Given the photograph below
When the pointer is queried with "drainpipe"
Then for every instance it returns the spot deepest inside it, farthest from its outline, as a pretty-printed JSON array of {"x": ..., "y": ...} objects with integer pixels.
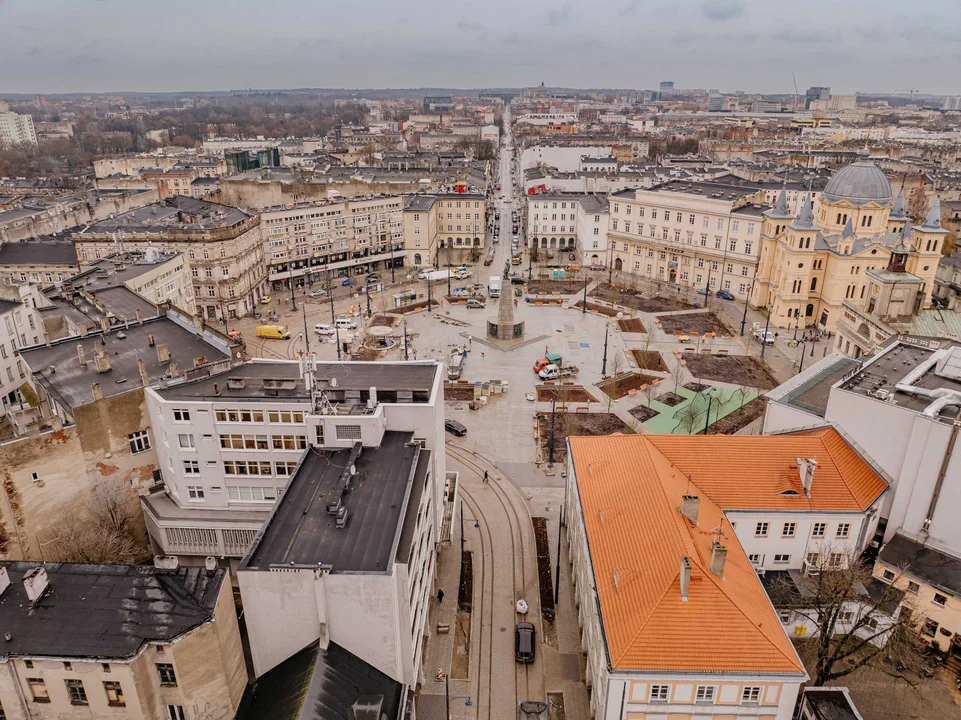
[
  {"x": 16, "y": 681},
  {"x": 945, "y": 461}
]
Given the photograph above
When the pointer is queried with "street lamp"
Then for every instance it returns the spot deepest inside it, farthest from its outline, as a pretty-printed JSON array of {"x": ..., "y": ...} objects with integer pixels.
[
  {"x": 405, "y": 340},
  {"x": 550, "y": 446},
  {"x": 584, "y": 308},
  {"x": 797, "y": 317},
  {"x": 747, "y": 296},
  {"x": 293, "y": 298},
  {"x": 707, "y": 420},
  {"x": 530, "y": 259},
  {"x": 607, "y": 329},
  {"x": 367, "y": 292}
]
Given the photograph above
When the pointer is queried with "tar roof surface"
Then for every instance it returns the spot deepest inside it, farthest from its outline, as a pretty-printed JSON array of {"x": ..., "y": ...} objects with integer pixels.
[
  {"x": 412, "y": 376},
  {"x": 163, "y": 216},
  {"x": 106, "y": 611},
  {"x": 38, "y": 253},
  {"x": 932, "y": 566},
  {"x": 630, "y": 495},
  {"x": 811, "y": 389},
  {"x": 315, "y": 684},
  {"x": 70, "y": 383},
  {"x": 301, "y": 532}
]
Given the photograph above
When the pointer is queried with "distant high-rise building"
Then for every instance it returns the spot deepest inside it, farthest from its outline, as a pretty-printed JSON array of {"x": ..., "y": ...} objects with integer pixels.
[
  {"x": 815, "y": 93},
  {"x": 952, "y": 103},
  {"x": 667, "y": 85},
  {"x": 16, "y": 129},
  {"x": 715, "y": 102}
]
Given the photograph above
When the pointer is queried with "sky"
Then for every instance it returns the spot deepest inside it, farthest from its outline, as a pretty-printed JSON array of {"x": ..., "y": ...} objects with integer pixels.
[{"x": 50, "y": 46}]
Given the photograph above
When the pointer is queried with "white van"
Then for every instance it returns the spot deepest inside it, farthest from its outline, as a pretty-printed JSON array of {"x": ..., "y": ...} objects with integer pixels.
[
  {"x": 343, "y": 323},
  {"x": 322, "y": 329}
]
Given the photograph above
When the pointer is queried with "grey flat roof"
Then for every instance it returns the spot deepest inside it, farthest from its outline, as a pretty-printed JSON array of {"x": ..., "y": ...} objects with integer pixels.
[
  {"x": 301, "y": 532},
  {"x": 124, "y": 303},
  {"x": 8, "y": 305},
  {"x": 38, "y": 253},
  {"x": 104, "y": 611},
  {"x": 165, "y": 216},
  {"x": 931, "y": 566},
  {"x": 70, "y": 383},
  {"x": 811, "y": 389},
  {"x": 828, "y": 703},
  {"x": 413, "y": 376}
]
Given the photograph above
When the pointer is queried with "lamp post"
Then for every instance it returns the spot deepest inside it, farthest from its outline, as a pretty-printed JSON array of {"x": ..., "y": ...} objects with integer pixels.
[
  {"x": 707, "y": 420},
  {"x": 406, "y": 357},
  {"x": 584, "y": 308},
  {"x": 392, "y": 261},
  {"x": 293, "y": 298},
  {"x": 550, "y": 446},
  {"x": 607, "y": 329},
  {"x": 797, "y": 317},
  {"x": 530, "y": 259},
  {"x": 747, "y": 296},
  {"x": 801, "y": 361},
  {"x": 367, "y": 292},
  {"x": 767, "y": 324}
]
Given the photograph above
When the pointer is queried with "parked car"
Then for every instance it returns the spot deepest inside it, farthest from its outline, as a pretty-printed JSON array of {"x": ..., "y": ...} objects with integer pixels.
[
  {"x": 348, "y": 282},
  {"x": 265, "y": 300},
  {"x": 317, "y": 293},
  {"x": 324, "y": 329},
  {"x": 475, "y": 303},
  {"x": 457, "y": 428},
  {"x": 373, "y": 278},
  {"x": 345, "y": 323},
  {"x": 703, "y": 291},
  {"x": 724, "y": 295},
  {"x": 524, "y": 642},
  {"x": 518, "y": 280}
]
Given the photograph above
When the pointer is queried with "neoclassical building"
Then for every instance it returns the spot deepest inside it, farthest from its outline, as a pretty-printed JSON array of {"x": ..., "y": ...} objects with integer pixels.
[{"x": 812, "y": 264}]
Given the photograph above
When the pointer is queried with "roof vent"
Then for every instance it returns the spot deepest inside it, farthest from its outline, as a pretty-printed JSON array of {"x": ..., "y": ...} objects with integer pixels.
[
  {"x": 685, "y": 577},
  {"x": 718, "y": 559},
  {"x": 4, "y": 580},
  {"x": 35, "y": 582},
  {"x": 690, "y": 504},
  {"x": 210, "y": 564}
]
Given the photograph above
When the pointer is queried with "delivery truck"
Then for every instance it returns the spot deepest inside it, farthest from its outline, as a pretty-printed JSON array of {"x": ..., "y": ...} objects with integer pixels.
[{"x": 275, "y": 332}]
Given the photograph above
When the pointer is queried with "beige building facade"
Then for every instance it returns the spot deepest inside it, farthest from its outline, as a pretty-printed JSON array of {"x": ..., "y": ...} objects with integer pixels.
[
  {"x": 812, "y": 264},
  {"x": 444, "y": 229}
]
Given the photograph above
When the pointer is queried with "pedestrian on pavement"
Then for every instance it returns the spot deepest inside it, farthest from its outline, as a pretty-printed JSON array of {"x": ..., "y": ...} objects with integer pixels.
[
  {"x": 485, "y": 476},
  {"x": 440, "y": 596},
  {"x": 470, "y": 341}
]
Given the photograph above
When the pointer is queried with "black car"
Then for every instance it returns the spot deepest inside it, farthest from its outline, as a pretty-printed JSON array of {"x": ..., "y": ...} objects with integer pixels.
[
  {"x": 458, "y": 429},
  {"x": 517, "y": 280},
  {"x": 524, "y": 642},
  {"x": 724, "y": 295}
]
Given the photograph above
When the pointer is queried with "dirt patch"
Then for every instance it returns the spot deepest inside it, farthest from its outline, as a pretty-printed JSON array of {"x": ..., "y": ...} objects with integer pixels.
[
  {"x": 564, "y": 393},
  {"x": 621, "y": 385},
  {"x": 569, "y": 424},
  {"x": 670, "y": 399},
  {"x": 696, "y": 387},
  {"x": 742, "y": 370},
  {"x": 554, "y": 287},
  {"x": 384, "y": 321},
  {"x": 458, "y": 392},
  {"x": 365, "y": 353},
  {"x": 643, "y": 413},
  {"x": 631, "y": 325},
  {"x": 649, "y": 360},
  {"x": 556, "y": 709},
  {"x": 544, "y": 580},
  {"x": 644, "y": 302},
  {"x": 465, "y": 592},
  {"x": 460, "y": 660},
  {"x": 594, "y": 307},
  {"x": 740, "y": 418},
  {"x": 414, "y": 307},
  {"x": 700, "y": 323}
]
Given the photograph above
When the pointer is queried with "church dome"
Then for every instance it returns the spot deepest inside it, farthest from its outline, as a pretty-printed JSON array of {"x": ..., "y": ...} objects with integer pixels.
[{"x": 859, "y": 183}]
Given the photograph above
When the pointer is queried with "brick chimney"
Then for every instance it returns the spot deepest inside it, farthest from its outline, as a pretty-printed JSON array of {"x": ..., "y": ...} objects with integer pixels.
[
  {"x": 139, "y": 317},
  {"x": 82, "y": 355},
  {"x": 690, "y": 504},
  {"x": 163, "y": 353},
  {"x": 174, "y": 369},
  {"x": 685, "y": 577},
  {"x": 142, "y": 369},
  {"x": 105, "y": 324},
  {"x": 718, "y": 558},
  {"x": 101, "y": 360},
  {"x": 806, "y": 468},
  {"x": 97, "y": 392}
]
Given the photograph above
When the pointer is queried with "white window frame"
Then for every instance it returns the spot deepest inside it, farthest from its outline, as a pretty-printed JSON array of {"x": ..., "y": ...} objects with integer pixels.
[
  {"x": 789, "y": 529},
  {"x": 660, "y": 693},
  {"x": 761, "y": 529},
  {"x": 195, "y": 493},
  {"x": 705, "y": 693},
  {"x": 181, "y": 415},
  {"x": 139, "y": 442},
  {"x": 751, "y": 694}
]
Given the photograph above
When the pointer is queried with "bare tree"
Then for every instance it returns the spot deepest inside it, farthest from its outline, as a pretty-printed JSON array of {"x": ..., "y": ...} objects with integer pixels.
[
  {"x": 107, "y": 528},
  {"x": 850, "y": 627},
  {"x": 677, "y": 372},
  {"x": 686, "y": 418}
]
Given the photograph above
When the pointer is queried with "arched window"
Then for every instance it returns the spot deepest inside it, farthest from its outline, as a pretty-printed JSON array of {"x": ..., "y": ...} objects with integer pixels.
[
  {"x": 417, "y": 259},
  {"x": 809, "y": 311},
  {"x": 839, "y": 218},
  {"x": 618, "y": 264},
  {"x": 814, "y": 284}
]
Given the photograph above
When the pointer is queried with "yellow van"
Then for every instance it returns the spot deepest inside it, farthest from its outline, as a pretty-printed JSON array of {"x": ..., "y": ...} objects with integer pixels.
[{"x": 277, "y": 332}]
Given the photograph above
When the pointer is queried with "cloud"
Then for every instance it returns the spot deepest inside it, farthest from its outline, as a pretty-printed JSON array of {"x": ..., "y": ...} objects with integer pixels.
[
  {"x": 808, "y": 37},
  {"x": 511, "y": 39},
  {"x": 470, "y": 26},
  {"x": 559, "y": 16},
  {"x": 722, "y": 10},
  {"x": 630, "y": 8}
]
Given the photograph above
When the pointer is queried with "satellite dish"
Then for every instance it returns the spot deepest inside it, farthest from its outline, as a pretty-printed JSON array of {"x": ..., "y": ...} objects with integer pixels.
[
  {"x": 353, "y": 470},
  {"x": 333, "y": 382}
]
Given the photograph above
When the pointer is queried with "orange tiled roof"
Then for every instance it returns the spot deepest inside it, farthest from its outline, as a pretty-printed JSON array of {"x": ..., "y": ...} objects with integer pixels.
[
  {"x": 756, "y": 471},
  {"x": 630, "y": 495}
]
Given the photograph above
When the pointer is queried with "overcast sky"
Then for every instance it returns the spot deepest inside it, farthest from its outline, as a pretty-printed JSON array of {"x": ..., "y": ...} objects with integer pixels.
[{"x": 49, "y": 46}]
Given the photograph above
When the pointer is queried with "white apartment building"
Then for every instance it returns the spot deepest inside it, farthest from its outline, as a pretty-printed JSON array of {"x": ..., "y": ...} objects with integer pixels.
[
  {"x": 305, "y": 241},
  {"x": 20, "y": 326},
  {"x": 694, "y": 235},
  {"x": 16, "y": 129},
  {"x": 566, "y": 158},
  {"x": 228, "y": 444},
  {"x": 562, "y": 224}
]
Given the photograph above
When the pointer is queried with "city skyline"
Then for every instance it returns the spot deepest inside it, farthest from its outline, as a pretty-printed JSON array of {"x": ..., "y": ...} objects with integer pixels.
[{"x": 61, "y": 47}]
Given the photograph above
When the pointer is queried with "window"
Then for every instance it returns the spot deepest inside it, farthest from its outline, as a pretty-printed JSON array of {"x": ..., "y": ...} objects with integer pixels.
[
  {"x": 836, "y": 559},
  {"x": 139, "y": 442},
  {"x": 191, "y": 467},
  {"x": 788, "y": 529},
  {"x": 195, "y": 492},
  {"x": 844, "y": 529},
  {"x": 75, "y": 691},
  {"x": 887, "y": 576},
  {"x": 751, "y": 694},
  {"x": 39, "y": 690},
  {"x": 930, "y": 627},
  {"x": 186, "y": 442},
  {"x": 818, "y": 530},
  {"x": 782, "y": 558},
  {"x": 348, "y": 432},
  {"x": 285, "y": 416},
  {"x": 913, "y": 587},
  {"x": 705, "y": 693},
  {"x": 181, "y": 416},
  {"x": 168, "y": 678},
  {"x": 940, "y": 599},
  {"x": 784, "y": 616},
  {"x": 754, "y": 559},
  {"x": 761, "y": 529},
  {"x": 283, "y": 469},
  {"x": 659, "y": 693},
  {"x": 175, "y": 712}
]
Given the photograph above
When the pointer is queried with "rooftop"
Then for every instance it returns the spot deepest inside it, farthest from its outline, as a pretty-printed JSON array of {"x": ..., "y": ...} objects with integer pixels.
[
  {"x": 933, "y": 567},
  {"x": 393, "y": 380},
  {"x": 810, "y": 390},
  {"x": 830, "y": 703},
  {"x": 57, "y": 366},
  {"x": 171, "y": 215},
  {"x": 104, "y": 611},
  {"x": 38, "y": 253},
  {"x": 300, "y": 531},
  {"x": 315, "y": 684},
  {"x": 630, "y": 495}
]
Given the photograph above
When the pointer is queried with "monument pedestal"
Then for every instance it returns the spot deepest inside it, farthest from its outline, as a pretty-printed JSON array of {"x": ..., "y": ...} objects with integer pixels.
[{"x": 505, "y": 327}]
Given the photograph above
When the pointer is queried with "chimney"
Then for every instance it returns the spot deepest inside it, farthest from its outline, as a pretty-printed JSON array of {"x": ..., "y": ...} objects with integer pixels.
[
  {"x": 4, "y": 580},
  {"x": 82, "y": 355},
  {"x": 806, "y": 468},
  {"x": 142, "y": 369},
  {"x": 35, "y": 582},
  {"x": 174, "y": 369},
  {"x": 685, "y": 577},
  {"x": 101, "y": 359},
  {"x": 150, "y": 340},
  {"x": 689, "y": 507},
  {"x": 105, "y": 323},
  {"x": 163, "y": 353},
  {"x": 372, "y": 398},
  {"x": 718, "y": 558},
  {"x": 97, "y": 392},
  {"x": 139, "y": 317}
]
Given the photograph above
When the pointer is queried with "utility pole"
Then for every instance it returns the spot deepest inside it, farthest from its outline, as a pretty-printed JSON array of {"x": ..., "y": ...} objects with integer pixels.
[
  {"x": 447, "y": 693},
  {"x": 303, "y": 307},
  {"x": 607, "y": 329},
  {"x": 550, "y": 446},
  {"x": 392, "y": 261},
  {"x": 430, "y": 304},
  {"x": 557, "y": 573}
]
